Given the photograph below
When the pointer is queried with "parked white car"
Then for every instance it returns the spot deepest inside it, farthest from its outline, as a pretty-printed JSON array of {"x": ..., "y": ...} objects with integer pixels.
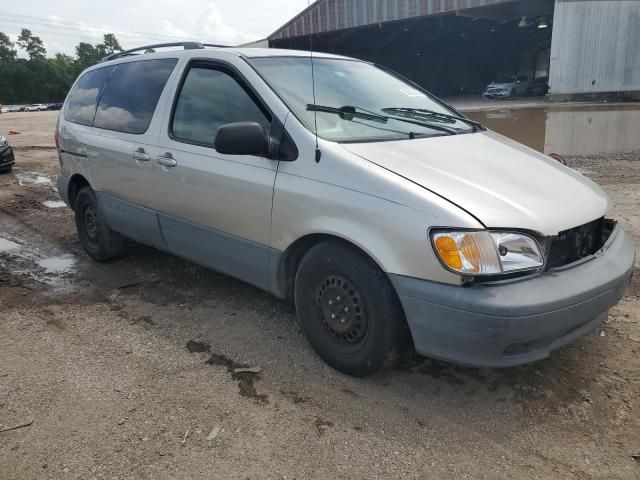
[
  {"x": 36, "y": 107},
  {"x": 384, "y": 214},
  {"x": 507, "y": 87}
]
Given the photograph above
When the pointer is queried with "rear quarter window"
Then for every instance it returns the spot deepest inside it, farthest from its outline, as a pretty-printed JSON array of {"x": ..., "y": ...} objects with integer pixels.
[
  {"x": 131, "y": 95},
  {"x": 83, "y": 100}
]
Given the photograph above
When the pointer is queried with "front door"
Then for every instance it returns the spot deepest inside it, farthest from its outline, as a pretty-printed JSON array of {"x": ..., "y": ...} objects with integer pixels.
[{"x": 214, "y": 209}]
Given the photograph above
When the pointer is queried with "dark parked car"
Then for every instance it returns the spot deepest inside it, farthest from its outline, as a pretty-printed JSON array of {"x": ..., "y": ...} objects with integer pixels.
[
  {"x": 538, "y": 87},
  {"x": 6, "y": 155},
  {"x": 54, "y": 106}
]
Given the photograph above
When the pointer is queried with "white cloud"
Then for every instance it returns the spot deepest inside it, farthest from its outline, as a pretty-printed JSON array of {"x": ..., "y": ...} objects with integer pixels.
[
  {"x": 148, "y": 21},
  {"x": 209, "y": 27}
]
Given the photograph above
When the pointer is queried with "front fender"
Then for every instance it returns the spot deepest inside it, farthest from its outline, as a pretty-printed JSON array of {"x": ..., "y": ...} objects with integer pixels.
[{"x": 393, "y": 235}]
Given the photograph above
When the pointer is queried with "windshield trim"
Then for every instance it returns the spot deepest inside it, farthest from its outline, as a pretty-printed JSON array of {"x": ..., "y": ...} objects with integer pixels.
[
  {"x": 375, "y": 65},
  {"x": 416, "y": 136}
]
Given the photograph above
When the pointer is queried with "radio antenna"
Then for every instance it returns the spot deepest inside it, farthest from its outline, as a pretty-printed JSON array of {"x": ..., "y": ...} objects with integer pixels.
[{"x": 313, "y": 82}]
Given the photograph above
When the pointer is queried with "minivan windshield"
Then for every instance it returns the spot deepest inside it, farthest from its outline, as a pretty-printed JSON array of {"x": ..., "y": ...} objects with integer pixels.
[{"x": 356, "y": 101}]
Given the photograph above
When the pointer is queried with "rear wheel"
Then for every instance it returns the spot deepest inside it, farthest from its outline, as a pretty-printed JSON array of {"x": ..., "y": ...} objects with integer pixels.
[
  {"x": 348, "y": 310},
  {"x": 97, "y": 238}
]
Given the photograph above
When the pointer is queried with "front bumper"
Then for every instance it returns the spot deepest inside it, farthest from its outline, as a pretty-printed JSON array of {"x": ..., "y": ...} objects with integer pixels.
[
  {"x": 502, "y": 324},
  {"x": 6, "y": 157},
  {"x": 496, "y": 94}
]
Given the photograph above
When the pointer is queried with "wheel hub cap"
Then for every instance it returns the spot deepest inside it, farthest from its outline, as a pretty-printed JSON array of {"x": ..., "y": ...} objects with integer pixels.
[
  {"x": 341, "y": 310},
  {"x": 91, "y": 221}
]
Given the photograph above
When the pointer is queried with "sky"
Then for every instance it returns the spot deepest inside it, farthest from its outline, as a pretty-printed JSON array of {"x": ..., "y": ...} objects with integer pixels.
[{"x": 62, "y": 24}]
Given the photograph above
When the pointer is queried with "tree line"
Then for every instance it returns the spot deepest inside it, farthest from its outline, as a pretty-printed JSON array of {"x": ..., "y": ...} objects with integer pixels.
[{"x": 42, "y": 79}]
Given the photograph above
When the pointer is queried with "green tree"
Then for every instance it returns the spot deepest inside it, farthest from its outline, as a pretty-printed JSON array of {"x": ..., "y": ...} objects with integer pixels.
[
  {"x": 108, "y": 46},
  {"x": 111, "y": 43},
  {"x": 32, "y": 45},
  {"x": 41, "y": 79},
  {"x": 7, "y": 48},
  {"x": 87, "y": 55},
  {"x": 91, "y": 54},
  {"x": 61, "y": 72}
]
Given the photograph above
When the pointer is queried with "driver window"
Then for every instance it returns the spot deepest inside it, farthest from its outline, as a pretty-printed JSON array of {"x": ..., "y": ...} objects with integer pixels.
[{"x": 209, "y": 98}]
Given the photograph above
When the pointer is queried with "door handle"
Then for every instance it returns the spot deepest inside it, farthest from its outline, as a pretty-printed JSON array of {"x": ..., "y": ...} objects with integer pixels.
[
  {"x": 140, "y": 155},
  {"x": 167, "y": 160}
]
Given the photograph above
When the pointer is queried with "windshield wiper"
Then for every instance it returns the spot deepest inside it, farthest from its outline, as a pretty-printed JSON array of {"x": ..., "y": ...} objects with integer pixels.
[
  {"x": 432, "y": 114},
  {"x": 349, "y": 112}
]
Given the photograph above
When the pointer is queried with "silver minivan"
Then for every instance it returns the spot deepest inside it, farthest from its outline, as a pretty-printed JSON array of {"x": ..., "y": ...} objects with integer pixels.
[{"x": 384, "y": 214}]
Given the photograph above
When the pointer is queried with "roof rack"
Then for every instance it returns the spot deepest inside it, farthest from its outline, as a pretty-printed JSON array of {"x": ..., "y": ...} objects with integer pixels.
[{"x": 185, "y": 45}]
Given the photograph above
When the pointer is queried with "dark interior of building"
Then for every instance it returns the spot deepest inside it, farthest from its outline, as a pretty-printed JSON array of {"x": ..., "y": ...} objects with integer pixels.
[{"x": 451, "y": 54}]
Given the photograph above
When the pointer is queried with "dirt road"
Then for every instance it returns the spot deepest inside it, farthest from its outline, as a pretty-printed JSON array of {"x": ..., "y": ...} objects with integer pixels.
[{"x": 122, "y": 370}]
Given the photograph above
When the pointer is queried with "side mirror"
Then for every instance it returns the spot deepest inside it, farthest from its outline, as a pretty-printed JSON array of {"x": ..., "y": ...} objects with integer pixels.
[{"x": 242, "y": 138}]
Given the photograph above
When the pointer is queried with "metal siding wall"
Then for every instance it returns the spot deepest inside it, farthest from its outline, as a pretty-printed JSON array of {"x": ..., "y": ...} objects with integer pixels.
[
  {"x": 595, "y": 47},
  {"x": 584, "y": 132},
  {"x": 340, "y": 14}
]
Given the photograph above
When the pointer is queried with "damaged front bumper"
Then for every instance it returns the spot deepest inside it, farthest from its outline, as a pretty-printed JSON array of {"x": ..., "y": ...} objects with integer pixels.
[{"x": 517, "y": 321}]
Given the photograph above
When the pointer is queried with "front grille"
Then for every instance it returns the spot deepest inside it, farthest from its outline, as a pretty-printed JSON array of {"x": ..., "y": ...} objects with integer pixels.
[{"x": 579, "y": 242}]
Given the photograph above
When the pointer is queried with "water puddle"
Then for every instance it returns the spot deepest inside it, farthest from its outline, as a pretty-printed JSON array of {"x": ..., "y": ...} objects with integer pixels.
[
  {"x": 574, "y": 130},
  {"x": 54, "y": 204},
  {"x": 57, "y": 265},
  {"x": 27, "y": 178},
  {"x": 48, "y": 265},
  {"x": 7, "y": 245}
]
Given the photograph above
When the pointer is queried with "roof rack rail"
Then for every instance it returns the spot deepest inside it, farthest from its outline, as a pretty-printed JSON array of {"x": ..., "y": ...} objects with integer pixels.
[{"x": 185, "y": 45}]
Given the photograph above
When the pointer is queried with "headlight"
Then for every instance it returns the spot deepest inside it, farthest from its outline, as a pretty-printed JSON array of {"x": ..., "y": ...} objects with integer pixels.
[
  {"x": 486, "y": 253},
  {"x": 3, "y": 141}
]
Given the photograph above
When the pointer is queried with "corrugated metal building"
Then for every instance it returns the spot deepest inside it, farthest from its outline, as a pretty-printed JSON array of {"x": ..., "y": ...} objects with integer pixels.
[
  {"x": 458, "y": 46},
  {"x": 331, "y": 15},
  {"x": 595, "y": 47}
]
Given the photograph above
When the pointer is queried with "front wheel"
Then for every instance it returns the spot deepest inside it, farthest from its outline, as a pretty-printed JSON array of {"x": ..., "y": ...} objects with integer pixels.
[
  {"x": 97, "y": 238},
  {"x": 348, "y": 310}
]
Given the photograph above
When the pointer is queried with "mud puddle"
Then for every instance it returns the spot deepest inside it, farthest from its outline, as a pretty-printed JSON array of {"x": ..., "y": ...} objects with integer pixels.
[
  {"x": 572, "y": 130},
  {"x": 54, "y": 204},
  {"x": 24, "y": 255},
  {"x": 62, "y": 264},
  {"x": 7, "y": 245},
  {"x": 243, "y": 374},
  {"x": 32, "y": 178}
]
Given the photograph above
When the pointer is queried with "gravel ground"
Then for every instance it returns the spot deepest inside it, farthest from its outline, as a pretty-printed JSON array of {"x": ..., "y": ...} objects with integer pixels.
[{"x": 130, "y": 370}]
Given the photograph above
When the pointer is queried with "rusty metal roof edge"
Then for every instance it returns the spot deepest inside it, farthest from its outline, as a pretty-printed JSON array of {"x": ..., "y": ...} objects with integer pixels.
[
  {"x": 277, "y": 34},
  {"x": 302, "y": 13}
]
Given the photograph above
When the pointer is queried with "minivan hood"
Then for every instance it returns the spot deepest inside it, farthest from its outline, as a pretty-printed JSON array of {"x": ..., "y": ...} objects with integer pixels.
[{"x": 500, "y": 182}]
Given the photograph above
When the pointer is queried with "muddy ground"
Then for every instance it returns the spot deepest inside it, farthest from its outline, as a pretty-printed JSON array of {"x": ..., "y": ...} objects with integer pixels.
[{"x": 123, "y": 369}]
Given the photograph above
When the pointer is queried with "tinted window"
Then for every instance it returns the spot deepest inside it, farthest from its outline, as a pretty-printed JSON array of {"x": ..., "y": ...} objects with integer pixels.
[
  {"x": 210, "y": 98},
  {"x": 81, "y": 106},
  {"x": 131, "y": 95}
]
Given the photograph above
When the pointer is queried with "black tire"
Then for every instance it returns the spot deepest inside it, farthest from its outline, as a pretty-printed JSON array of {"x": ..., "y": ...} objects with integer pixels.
[
  {"x": 6, "y": 170},
  {"x": 96, "y": 237},
  {"x": 513, "y": 92},
  {"x": 348, "y": 310}
]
